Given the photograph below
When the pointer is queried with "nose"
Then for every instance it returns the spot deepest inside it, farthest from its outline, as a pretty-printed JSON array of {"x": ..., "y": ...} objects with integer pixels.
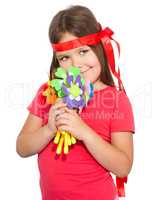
[{"x": 76, "y": 62}]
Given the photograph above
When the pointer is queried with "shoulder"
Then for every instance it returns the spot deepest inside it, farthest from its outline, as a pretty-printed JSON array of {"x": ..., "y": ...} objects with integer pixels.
[
  {"x": 42, "y": 87},
  {"x": 40, "y": 98},
  {"x": 116, "y": 91},
  {"x": 38, "y": 105},
  {"x": 114, "y": 94},
  {"x": 120, "y": 97}
]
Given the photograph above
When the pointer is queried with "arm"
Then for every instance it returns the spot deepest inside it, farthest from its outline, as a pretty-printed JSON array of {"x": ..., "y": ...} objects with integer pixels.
[
  {"x": 117, "y": 157},
  {"x": 33, "y": 137}
]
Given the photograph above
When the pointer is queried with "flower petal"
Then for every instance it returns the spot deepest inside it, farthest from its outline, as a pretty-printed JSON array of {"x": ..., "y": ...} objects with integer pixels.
[
  {"x": 61, "y": 73},
  {"x": 81, "y": 102},
  {"x": 69, "y": 79},
  {"x": 71, "y": 97},
  {"x": 78, "y": 98},
  {"x": 56, "y": 83},
  {"x": 69, "y": 102},
  {"x": 65, "y": 89},
  {"x": 78, "y": 80},
  {"x": 74, "y": 71}
]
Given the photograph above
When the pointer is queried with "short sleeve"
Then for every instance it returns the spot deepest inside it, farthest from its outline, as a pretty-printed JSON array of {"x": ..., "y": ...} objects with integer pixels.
[
  {"x": 122, "y": 118},
  {"x": 38, "y": 105}
]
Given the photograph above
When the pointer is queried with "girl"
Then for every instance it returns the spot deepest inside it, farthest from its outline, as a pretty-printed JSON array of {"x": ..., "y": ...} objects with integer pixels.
[{"x": 103, "y": 129}]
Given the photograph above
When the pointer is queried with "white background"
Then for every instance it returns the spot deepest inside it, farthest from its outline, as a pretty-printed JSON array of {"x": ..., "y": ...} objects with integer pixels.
[{"x": 25, "y": 57}]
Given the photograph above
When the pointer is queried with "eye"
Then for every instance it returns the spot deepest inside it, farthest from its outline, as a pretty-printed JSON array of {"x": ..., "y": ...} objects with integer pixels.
[
  {"x": 82, "y": 52},
  {"x": 63, "y": 59}
]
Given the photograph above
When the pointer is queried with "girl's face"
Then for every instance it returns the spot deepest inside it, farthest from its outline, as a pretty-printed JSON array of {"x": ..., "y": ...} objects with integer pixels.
[{"x": 82, "y": 57}]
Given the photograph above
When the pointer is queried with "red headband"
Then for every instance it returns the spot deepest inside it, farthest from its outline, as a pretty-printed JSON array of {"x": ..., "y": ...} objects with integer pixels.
[{"x": 104, "y": 36}]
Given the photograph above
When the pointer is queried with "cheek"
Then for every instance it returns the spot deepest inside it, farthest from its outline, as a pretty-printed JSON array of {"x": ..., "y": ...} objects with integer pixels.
[
  {"x": 65, "y": 65},
  {"x": 92, "y": 61},
  {"x": 94, "y": 73},
  {"x": 95, "y": 68}
]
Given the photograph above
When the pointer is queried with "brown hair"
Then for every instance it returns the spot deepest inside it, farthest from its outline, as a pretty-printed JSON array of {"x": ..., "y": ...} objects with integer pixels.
[{"x": 79, "y": 21}]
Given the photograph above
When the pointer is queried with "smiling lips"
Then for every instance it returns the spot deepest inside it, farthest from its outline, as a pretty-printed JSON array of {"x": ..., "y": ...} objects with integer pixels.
[{"x": 86, "y": 70}]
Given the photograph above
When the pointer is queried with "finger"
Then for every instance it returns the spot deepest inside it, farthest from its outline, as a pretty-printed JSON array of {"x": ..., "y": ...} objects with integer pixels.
[
  {"x": 63, "y": 116},
  {"x": 61, "y": 122},
  {"x": 58, "y": 106},
  {"x": 54, "y": 112},
  {"x": 64, "y": 128},
  {"x": 59, "y": 103},
  {"x": 58, "y": 99},
  {"x": 59, "y": 111},
  {"x": 69, "y": 110}
]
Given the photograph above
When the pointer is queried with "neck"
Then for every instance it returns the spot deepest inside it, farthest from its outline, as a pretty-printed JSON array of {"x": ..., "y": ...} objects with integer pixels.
[{"x": 98, "y": 85}]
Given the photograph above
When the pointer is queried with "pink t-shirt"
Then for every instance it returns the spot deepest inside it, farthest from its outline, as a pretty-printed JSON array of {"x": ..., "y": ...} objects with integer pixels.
[{"x": 78, "y": 175}]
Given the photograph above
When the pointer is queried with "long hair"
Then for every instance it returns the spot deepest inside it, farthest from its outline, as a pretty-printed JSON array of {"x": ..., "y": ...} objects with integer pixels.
[{"x": 79, "y": 21}]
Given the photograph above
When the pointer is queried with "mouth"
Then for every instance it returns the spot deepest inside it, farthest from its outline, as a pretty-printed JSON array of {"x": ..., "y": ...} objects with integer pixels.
[{"x": 85, "y": 70}]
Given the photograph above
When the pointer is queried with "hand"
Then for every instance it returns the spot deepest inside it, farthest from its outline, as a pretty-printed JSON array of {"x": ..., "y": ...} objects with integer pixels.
[
  {"x": 70, "y": 121},
  {"x": 53, "y": 112}
]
